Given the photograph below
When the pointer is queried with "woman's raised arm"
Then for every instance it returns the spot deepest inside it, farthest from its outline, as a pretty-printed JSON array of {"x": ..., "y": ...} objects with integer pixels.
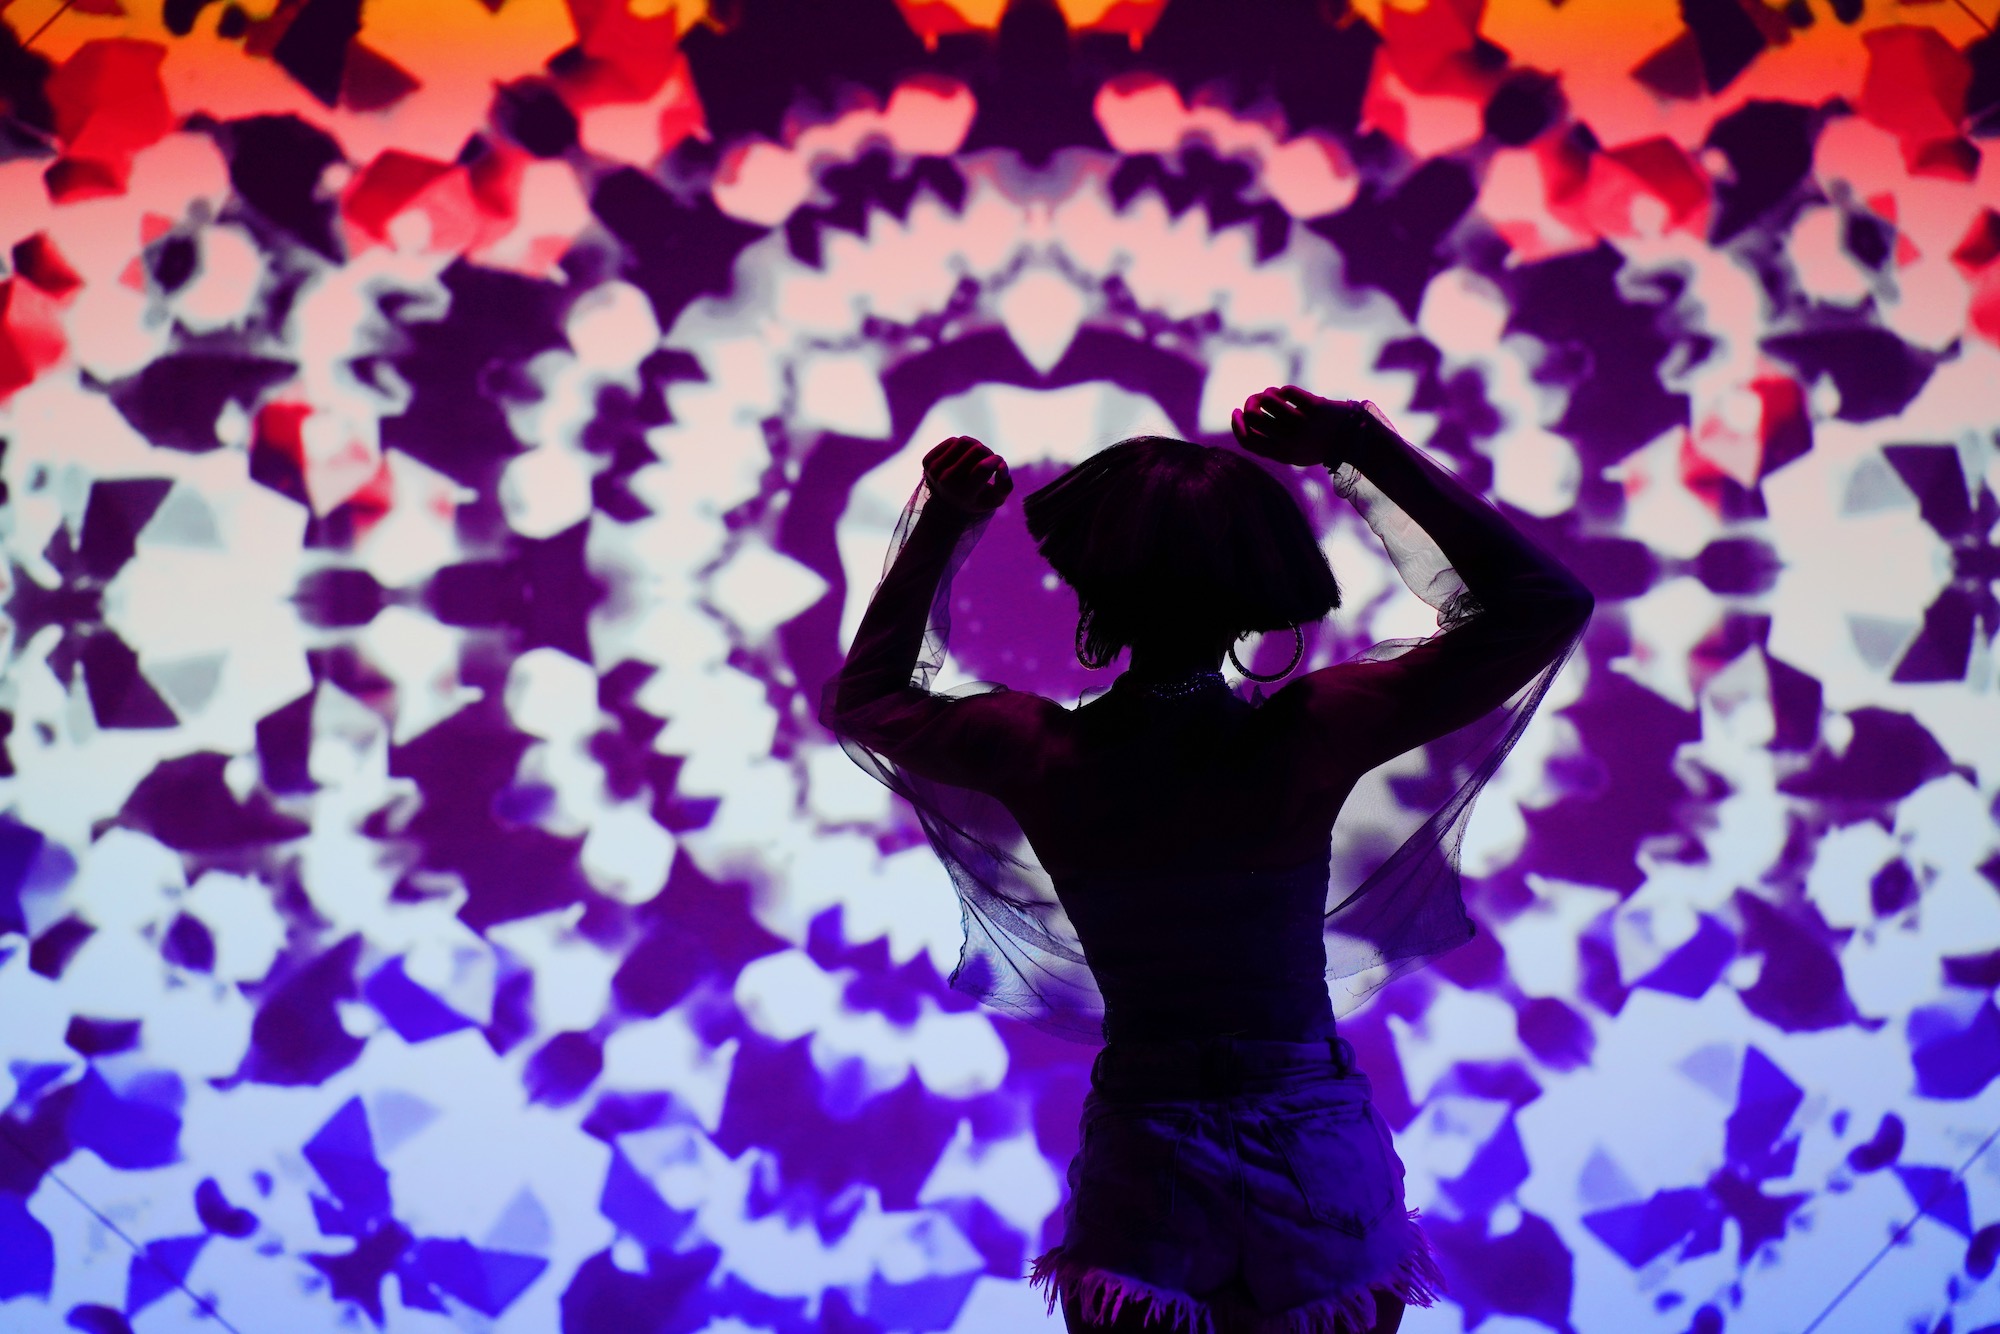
[
  {"x": 1527, "y": 608},
  {"x": 976, "y": 741}
]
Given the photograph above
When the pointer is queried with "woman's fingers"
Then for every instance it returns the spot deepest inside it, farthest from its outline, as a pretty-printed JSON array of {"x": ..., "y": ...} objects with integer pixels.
[
  {"x": 968, "y": 473},
  {"x": 1285, "y": 424},
  {"x": 957, "y": 478},
  {"x": 946, "y": 451},
  {"x": 951, "y": 456},
  {"x": 974, "y": 469},
  {"x": 1251, "y": 432},
  {"x": 1272, "y": 403},
  {"x": 1270, "y": 420}
]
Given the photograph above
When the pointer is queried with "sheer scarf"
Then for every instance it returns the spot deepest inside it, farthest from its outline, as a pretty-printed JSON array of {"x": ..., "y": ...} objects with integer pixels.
[{"x": 1021, "y": 955}]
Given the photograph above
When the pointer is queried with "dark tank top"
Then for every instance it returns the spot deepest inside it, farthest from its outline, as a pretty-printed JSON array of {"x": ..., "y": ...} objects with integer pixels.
[{"x": 1205, "y": 954}]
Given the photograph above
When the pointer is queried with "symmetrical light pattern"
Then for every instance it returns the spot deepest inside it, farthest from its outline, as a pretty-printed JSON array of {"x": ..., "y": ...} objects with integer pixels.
[{"x": 446, "y": 442}]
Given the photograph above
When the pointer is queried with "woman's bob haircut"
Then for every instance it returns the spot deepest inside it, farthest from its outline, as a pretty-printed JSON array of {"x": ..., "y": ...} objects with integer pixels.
[{"x": 1170, "y": 542}]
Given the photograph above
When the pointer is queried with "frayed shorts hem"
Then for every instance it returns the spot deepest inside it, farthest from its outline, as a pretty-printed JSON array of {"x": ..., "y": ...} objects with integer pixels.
[{"x": 1100, "y": 1295}]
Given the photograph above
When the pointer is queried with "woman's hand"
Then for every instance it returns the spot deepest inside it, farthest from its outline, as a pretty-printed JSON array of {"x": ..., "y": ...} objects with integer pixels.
[
  {"x": 1292, "y": 425},
  {"x": 967, "y": 475}
]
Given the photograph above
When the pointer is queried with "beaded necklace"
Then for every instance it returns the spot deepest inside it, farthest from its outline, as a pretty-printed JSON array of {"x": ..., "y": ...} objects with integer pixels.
[{"x": 1187, "y": 686}]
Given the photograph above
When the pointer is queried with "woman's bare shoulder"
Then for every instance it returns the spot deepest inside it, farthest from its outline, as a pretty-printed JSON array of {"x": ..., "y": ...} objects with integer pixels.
[
  {"x": 1030, "y": 718},
  {"x": 1349, "y": 697}
]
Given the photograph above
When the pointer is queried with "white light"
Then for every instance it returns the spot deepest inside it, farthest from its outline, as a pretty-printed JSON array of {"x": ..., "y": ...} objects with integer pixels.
[
  {"x": 759, "y": 589},
  {"x": 545, "y": 491},
  {"x": 1042, "y": 311},
  {"x": 626, "y": 855},
  {"x": 841, "y": 392},
  {"x": 1463, "y": 313},
  {"x": 551, "y": 695},
  {"x": 611, "y": 328},
  {"x": 1234, "y": 374}
]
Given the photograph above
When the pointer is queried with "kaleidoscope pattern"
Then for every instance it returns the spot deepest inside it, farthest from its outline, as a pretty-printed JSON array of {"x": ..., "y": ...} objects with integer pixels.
[{"x": 446, "y": 443}]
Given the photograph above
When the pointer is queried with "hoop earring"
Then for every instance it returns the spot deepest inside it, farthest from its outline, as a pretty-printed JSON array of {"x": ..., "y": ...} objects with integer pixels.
[
  {"x": 1298, "y": 653},
  {"x": 1083, "y": 634}
]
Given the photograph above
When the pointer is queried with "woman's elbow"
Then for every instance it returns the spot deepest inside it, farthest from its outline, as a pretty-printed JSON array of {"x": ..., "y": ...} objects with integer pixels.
[
  {"x": 1562, "y": 607},
  {"x": 1559, "y": 598},
  {"x": 838, "y": 703},
  {"x": 1569, "y": 612},
  {"x": 1580, "y": 603}
]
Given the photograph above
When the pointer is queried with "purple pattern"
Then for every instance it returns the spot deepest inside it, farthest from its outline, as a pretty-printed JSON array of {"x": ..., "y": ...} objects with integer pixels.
[{"x": 425, "y": 901}]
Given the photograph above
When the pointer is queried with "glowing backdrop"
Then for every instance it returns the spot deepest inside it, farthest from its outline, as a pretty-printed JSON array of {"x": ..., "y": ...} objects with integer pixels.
[{"x": 445, "y": 443}]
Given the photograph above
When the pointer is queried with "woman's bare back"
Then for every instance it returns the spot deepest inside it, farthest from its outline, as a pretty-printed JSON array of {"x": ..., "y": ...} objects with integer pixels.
[
  {"x": 1202, "y": 781},
  {"x": 1191, "y": 790}
]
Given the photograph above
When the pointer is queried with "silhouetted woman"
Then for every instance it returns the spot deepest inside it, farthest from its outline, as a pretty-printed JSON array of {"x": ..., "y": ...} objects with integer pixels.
[{"x": 1156, "y": 864}]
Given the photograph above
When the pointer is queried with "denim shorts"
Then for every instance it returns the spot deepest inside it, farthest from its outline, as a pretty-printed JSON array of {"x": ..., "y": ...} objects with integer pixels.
[{"x": 1229, "y": 1184}]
